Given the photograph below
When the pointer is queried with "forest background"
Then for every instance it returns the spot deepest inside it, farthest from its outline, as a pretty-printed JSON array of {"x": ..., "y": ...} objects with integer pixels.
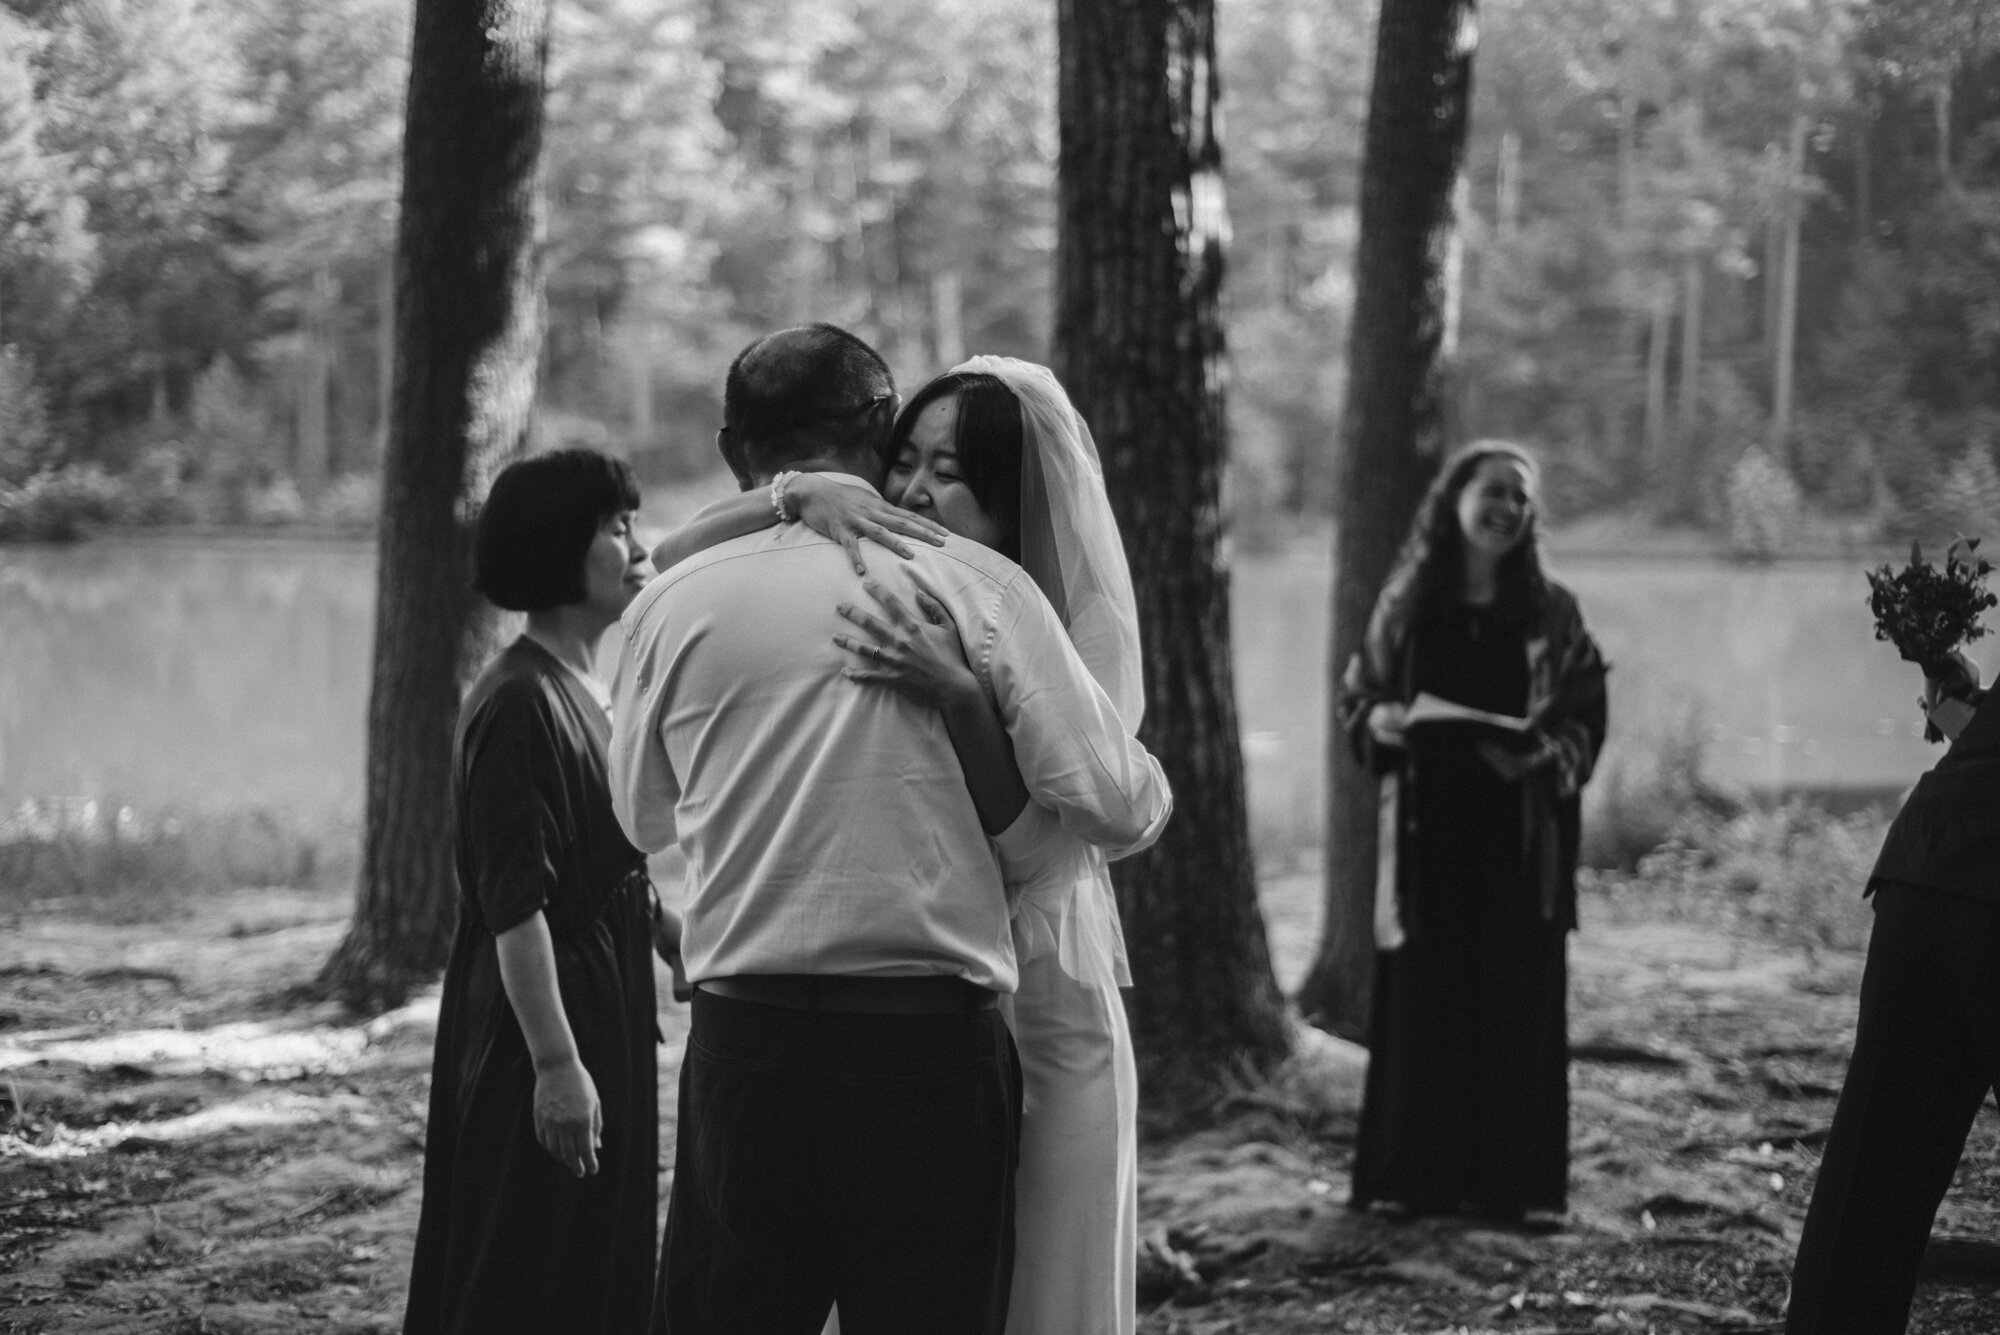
[{"x": 1732, "y": 264}]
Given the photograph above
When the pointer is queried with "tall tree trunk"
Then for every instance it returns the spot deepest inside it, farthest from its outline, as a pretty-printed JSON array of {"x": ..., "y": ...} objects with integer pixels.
[
  {"x": 1687, "y": 436},
  {"x": 1507, "y": 204},
  {"x": 1632, "y": 324},
  {"x": 1941, "y": 124},
  {"x": 948, "y": 317},
  {"x": 1864, "y": 175},
  {"x": 315, "y": 381},
  {"x": 1139, "y": 344},
  {"x": 645, "y": 429},
  {"x": 1774, "y": 265},
  {"x": 1393, "y": 429},
  {"x": 468, "y": 334},
  {"x": 1786, "y": 356},
  {"x": 1657, "y": 481}
]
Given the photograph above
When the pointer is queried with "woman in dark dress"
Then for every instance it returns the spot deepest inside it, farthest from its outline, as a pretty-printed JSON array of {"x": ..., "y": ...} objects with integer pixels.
[
  {"x": 541, "y": 1158},
  {"x": 1467, "y": 1099}
]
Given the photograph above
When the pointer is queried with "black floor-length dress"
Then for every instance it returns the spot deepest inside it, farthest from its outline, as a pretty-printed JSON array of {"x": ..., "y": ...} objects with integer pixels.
[
  {"x": 509, "y": 1240},
  {"x": 1467, "y": 1098}
]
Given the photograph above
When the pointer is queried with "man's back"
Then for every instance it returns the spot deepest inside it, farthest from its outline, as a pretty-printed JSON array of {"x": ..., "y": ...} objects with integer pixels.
[{"x": 826, "y": 823}]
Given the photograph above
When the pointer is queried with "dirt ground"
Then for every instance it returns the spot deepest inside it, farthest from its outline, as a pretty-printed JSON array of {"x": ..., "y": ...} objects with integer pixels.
[{"x": 182, "y": 1152}]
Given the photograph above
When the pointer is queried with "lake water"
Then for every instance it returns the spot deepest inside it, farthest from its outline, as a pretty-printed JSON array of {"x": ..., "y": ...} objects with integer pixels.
[{"x": 235, "y": 672}]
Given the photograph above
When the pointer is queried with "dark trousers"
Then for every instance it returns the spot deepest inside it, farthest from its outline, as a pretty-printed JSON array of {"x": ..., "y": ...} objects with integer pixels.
[
  {"x": 1926, "y": 1051},
  {"x": 823, "y": 1157}
]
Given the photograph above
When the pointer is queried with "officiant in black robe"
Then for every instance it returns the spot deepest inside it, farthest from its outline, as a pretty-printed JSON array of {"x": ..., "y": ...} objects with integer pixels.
[
  {"x": 1466, "y": 1106},
  {"x": 541, "y": 1154}
]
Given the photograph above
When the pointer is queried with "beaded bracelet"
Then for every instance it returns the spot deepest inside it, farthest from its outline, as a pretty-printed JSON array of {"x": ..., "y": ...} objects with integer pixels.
[{"x": 785, "y": 516}]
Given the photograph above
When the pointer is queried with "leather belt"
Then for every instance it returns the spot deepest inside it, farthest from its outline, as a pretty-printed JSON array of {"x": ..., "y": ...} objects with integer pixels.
[{"x": 933, "y": 994}]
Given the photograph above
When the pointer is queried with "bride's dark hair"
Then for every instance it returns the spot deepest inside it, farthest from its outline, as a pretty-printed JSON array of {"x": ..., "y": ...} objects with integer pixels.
[
  {"x": 1435, "y": 548},
  {"x": 987, "y": 436}
]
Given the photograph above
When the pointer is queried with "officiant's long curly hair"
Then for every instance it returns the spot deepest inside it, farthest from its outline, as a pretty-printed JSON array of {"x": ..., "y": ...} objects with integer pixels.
[{"x": 1433, "y": 555}]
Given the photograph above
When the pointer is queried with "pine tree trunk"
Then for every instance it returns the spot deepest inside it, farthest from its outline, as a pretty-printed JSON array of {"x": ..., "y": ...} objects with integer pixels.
[
  {"x": 1657, "y": 343},
  {"x": 1632, "y": 324},
  {"x": 1393, "y": 428},
  {"x": 1788, "y": 302},
  {"x": 1687, "y": 434},
  {"x": 1139, "y": 346},
  {"x": 1774, "y": 263},
  {"x": 1507, "y": 205},
  {"x": 1864, "y": 174},
  {"x": 645, "y": 429},
  {"x": 1941, "y": 123},
  {"x": 948, "y": 317},
  {"x": 468, "y": 334},
  {"x": 315, "y": 382}
]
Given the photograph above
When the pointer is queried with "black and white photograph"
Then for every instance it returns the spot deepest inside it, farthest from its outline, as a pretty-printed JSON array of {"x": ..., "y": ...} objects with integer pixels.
[{"x": 999, "y": 667}]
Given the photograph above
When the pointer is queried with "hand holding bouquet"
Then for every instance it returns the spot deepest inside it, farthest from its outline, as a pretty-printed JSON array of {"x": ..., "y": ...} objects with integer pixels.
[{"x": 1927, "y": 613}]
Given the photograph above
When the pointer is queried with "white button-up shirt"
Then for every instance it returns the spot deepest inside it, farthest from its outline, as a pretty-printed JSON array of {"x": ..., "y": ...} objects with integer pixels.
[{"x": 825, "y": 822}]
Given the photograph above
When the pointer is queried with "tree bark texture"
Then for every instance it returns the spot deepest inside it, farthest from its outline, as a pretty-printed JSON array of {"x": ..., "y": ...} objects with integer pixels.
[
  {"x": 468, "y": 335},
  {"x": 1393, "y": 427},
  {"x": 1139, "y": 345}
]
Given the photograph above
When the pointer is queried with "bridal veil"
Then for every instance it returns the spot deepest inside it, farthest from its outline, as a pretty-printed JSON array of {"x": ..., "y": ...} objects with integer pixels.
[{"x": 1070, "y": 546}]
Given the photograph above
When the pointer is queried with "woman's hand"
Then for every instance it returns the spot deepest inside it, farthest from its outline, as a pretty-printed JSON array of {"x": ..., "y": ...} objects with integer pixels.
[
  {"x": 1512, "y": 765},
  {"x": 1949, "y": 703},
  {"x": 849, "y": 514},
  {"x": 1385, "y": 723},
  {"x": 667, "y": 943},
  {"x": 569, "y": 1121},
  {"x": 921, "y": 657},
  {"x": 1966, "y": 676}
]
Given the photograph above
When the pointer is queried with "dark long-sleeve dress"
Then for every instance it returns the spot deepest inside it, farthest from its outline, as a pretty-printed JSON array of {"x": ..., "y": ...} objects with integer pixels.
[
  {"x": 508, "y": 1239},
  {"x": 1466, "y": 1104},
  {"x": 1467, "y": 1093}
]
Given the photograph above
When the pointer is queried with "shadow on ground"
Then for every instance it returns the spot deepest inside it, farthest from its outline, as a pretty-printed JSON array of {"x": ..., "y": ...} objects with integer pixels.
[{"x": 182, "y": 1152}]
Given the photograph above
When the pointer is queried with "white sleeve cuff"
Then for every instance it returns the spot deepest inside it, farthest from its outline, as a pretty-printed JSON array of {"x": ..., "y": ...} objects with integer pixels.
[{"x": 1019, "y": 845}]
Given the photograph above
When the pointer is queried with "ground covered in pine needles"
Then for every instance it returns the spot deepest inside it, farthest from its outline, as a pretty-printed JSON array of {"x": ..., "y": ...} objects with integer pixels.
[{"x": 185, "y": 1149}]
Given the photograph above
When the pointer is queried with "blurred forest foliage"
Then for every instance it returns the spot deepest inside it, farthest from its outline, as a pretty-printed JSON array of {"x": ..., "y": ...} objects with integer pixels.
[{"x": 1725, "y": 262}]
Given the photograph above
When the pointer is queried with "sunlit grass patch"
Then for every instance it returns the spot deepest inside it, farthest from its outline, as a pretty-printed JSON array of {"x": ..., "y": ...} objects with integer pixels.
[
  {"x": 1636, "y": 803},
  {"x": 1792, "y": 873},
  {"x": 104, "y": 859}
]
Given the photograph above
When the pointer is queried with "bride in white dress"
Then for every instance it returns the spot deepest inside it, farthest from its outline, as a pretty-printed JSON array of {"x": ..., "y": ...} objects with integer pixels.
[
  {"x": 994, "y": 451},
  {"x": 1076, "y": 1190}
]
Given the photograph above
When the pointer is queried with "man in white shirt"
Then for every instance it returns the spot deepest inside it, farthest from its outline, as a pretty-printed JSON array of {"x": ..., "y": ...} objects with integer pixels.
[{"x": 850, "y": 1097}]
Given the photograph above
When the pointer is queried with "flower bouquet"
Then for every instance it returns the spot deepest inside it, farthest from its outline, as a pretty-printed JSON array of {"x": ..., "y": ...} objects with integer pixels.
[{"x": 1928, "y": 611}]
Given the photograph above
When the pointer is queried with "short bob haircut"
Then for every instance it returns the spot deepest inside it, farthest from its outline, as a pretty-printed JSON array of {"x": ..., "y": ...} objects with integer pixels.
[
  {"x": 538, "y": 523},
  {"x": 987, "y": 436}
]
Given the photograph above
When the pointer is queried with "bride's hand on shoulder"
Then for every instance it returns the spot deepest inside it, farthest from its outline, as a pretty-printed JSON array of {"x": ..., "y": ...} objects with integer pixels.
[
  {"x": 849, "y": 514},
  {"x": 917, "y": 653}
]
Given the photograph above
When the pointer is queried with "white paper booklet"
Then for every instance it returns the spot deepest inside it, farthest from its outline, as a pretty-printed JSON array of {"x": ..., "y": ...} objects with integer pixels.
[{"x": 1428, "y": 708}]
